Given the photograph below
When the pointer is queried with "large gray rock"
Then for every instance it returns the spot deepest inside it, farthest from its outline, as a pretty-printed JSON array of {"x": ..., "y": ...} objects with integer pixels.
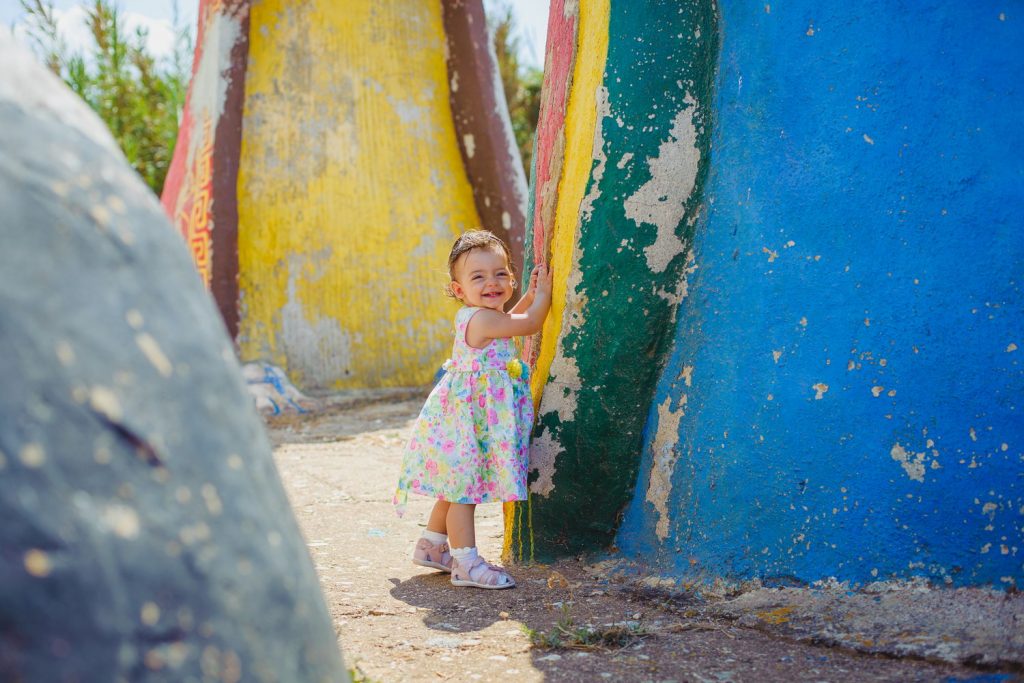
[{"x": 144, "y": 532}]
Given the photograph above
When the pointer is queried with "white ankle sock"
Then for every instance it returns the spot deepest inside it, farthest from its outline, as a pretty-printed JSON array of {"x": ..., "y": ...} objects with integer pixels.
[
  {"x": 434, "y": 536},
  {"x": 464, "y": 555}
]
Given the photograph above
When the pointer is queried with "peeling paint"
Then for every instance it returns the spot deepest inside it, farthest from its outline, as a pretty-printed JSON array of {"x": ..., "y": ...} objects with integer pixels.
[
  {"x": 321, "y": 340},
  {"x": 544, "y": 452},
  {"x": 154, "y": 354},
  {"x": 602, "y": 111},
  {"x": 661, "y": 201},
  {"x": 912, "y": 463},
  {"x": 665, "y": 456},
  {"x": 869, "y": 445}
]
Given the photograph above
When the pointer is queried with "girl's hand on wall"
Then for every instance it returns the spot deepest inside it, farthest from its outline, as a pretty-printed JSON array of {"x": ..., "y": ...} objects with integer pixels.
[
  {"x": 533, "y": 280},
  {"x": 540, "y": 279}
]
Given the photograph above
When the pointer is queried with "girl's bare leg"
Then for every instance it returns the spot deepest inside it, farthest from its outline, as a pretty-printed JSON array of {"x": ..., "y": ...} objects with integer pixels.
[
  {"x": 461, "y": 529},
  {"x": 438, "y": 517}
]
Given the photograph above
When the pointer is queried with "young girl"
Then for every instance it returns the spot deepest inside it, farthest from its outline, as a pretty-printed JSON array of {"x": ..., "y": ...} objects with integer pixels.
[{"x": 469, "y": 444}]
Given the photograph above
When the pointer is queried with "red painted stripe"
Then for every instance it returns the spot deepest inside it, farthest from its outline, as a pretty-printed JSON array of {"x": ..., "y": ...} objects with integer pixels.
[
  {"x": 200, "y": 192},
  {"x": 558, "y": 64}
]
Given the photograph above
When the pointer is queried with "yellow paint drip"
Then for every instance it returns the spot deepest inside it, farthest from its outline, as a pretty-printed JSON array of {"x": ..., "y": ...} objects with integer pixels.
[
  {"x": 351, "y": 189},
  {"x": 580, "y": 125}
]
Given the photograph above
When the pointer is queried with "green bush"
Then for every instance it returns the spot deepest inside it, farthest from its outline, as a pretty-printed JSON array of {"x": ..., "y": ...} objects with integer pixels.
[{"x": 139, "y": 97}]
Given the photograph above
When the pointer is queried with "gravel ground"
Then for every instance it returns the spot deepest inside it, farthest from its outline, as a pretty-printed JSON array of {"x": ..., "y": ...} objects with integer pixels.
[{"x": 399, "y": 622}]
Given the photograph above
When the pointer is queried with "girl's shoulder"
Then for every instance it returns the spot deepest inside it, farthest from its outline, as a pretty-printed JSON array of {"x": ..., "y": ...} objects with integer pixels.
[{"x": 465, "y": 313}]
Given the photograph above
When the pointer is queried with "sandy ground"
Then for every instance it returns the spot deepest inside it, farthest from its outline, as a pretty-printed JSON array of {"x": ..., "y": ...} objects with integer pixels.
[{"x": 399, "y": 622}]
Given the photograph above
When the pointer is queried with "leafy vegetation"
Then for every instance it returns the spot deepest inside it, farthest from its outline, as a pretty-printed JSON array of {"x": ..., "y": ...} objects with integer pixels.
[
  {"x": 566, "y": 635},
  {"x": 139, "y": 97}
]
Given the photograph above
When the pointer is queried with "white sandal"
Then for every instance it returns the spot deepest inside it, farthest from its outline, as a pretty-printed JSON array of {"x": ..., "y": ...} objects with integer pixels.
[
  {"x": 481, "y": 574},
  {"x": 434, "y": 556}
]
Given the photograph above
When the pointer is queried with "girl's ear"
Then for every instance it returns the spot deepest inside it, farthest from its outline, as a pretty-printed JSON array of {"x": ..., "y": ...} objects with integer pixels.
[{"x": 456, "y": 289}]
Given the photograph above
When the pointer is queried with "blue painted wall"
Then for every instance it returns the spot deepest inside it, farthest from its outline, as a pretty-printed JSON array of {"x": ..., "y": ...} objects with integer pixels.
[{"x": 844, "y": 396}]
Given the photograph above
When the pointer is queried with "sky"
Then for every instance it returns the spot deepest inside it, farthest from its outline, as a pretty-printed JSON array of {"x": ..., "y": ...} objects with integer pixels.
[{"x": 157, "y": 15}]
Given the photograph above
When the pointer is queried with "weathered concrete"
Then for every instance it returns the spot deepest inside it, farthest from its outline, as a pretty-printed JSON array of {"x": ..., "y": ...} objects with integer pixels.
[
  {"x": 621, "y": 162},
  {"x": 146, "y": 535},
  {"x": 843, "y": 394},
  {"x": 975, "y": 626},
  {"x": 964, "y": 625}
]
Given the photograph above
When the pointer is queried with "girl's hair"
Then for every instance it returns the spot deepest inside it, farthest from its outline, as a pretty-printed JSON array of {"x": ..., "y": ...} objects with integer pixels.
[{"x": 475, "y": 239}]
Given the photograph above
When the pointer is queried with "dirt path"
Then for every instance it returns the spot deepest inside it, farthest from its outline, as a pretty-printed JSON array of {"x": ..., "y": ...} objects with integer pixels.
[{"x": 399, "y": 622}]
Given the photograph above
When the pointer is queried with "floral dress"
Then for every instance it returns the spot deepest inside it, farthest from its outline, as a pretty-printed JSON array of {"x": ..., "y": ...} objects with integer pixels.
[{"x": 470, "y": 441}]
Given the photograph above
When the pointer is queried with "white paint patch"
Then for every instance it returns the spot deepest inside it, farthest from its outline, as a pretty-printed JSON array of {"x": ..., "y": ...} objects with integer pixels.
[
  {"x": 675, "y": 296},
  {"x": 135, "y": 319},
  {"x": 65, "y": 354},
  {"x": 412, "y": 115},
  {"x": 912, "y": 463},
  {"x": 597, "y": 153},
  {"x": 154, "y": 354},
  {"x": 122, "y": 520},
  {"x": 320, "y": 349},
  {"x": 105, "y": 402},
  {"x": 626, "y": 158},
  {"x": 209, "y": 89},
  {"x": 544, "y": 451},
  {"x": 661, "y": 201},
  {"x": 32, "y": 455},
  {"x": 469, "y": 142},
  {"x": 455, "y": 81},
  {"x": 564, "y": 383},
  {"x": 664, "y": 451}
]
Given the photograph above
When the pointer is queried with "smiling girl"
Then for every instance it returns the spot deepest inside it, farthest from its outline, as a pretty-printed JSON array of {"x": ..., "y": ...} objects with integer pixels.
[{"x": 470, "y": 442}]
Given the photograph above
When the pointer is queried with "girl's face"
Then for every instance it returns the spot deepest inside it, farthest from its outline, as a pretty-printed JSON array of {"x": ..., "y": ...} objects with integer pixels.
[{"x": 483, "y": 279}]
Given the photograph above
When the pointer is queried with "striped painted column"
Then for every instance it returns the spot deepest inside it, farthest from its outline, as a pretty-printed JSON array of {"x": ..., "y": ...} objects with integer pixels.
[
  {"x": 621, "y": 157},
  {"x": 361, "y": 139},
  {"x": 199, "y": 192}
]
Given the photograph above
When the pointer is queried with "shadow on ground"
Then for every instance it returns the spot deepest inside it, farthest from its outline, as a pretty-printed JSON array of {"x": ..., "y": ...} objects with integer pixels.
[{"x": 398, "y": 622}]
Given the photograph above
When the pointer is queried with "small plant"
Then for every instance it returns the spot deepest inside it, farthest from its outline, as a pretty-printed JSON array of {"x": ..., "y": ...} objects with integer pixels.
[
  {"x": 566, "y": 635},
  {"x": 358, "y": 676}
]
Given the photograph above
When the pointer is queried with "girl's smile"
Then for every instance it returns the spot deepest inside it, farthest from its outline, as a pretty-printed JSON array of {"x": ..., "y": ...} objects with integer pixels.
[{"x": 483, "y": 279}]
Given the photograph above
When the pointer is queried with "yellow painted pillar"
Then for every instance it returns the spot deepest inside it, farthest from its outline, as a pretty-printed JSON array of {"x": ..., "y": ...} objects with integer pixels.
[{"x": 351, "y": 189}]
